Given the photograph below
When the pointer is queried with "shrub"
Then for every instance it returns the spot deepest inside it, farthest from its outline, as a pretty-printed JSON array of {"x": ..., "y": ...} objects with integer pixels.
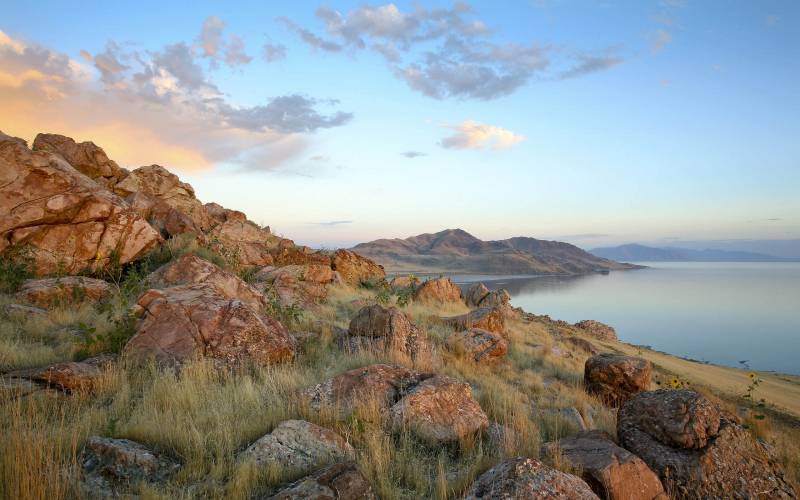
[{"x": 16, "y": 265}]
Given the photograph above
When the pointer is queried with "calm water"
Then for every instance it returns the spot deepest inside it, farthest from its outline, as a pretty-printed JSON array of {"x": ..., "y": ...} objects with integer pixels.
[{"x": 717, "y": 312}]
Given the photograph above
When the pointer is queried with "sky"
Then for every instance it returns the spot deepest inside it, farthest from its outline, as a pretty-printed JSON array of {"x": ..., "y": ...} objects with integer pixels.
[{"x": 592, "y": 122}]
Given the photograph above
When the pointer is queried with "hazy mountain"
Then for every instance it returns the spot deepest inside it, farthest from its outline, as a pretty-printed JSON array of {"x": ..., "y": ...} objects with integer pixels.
[
  {"x": 641, "y": 253},
  {"x": 458, "y": 251}
]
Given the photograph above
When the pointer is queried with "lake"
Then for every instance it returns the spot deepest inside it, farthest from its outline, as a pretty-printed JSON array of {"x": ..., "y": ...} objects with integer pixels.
[{"x": 720, "y": 312}]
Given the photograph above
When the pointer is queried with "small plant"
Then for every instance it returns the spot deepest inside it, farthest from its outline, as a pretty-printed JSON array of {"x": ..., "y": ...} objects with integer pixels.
[
  {"x": 16, "y": 265},
  {"x": 383, "y": 296},
  {"x": 91, "y": 342},
  {"x": 404, "y": 296},
  {"x": 755, "y": 381},
  {"x": 288, "y": 315}
]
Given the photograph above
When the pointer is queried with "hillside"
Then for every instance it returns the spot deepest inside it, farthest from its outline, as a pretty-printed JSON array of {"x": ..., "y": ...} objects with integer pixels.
[
  {"x": 455, "y": 250},
  {"x": 641, "y": 253}
]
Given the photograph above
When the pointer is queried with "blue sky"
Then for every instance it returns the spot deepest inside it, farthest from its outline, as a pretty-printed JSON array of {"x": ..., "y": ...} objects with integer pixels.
[{"x": 593, "y": 122}]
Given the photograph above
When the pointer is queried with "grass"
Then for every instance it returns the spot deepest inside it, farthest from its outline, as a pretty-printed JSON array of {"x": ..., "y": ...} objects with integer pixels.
[{"x": 204, "y": 417}]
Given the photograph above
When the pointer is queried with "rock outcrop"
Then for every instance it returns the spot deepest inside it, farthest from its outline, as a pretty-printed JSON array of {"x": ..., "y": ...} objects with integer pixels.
[
  {"x": 384, "y": 384},
  {"x": 482, "y": 346},
  {"x": 403, "y": 282},
  {"x": 528, "y": 478},
  {"x": 65, "y": 219},
  {"x": 66, "y": 290},
  {"x": 478, "y": 295},
  {"x": 112, "y": 467},
  {"x": 87, "y": 158},
  {"x": 612, "y": 472},
  {"x": 439, "y": 410},
  {"x": 337, "y": 482},
  {"x": 615, "y": 378},
  {"x": 298, "y": 446},
  {"x": 188, "y": 321},
  {"x": 302, "y": 284},
  {"x": 486, "y": 318},
  {"x": 697, "y": 451},
  {"x": 72, "y": 376},
  {"x": 388, "y": 328},
  {"x": 355, "y": 269},
  {"x": 251, "y": 244},
  {"x": 597, "y": 329},
  {"x": 438, "y": 291}
]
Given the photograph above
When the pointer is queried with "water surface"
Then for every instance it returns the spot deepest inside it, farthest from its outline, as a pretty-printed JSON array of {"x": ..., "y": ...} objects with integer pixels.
[{"x": 721, "y": 312}]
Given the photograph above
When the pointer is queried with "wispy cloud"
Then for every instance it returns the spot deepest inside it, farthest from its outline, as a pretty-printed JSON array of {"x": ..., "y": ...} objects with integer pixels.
[
  {"x": 473, "y": 135},
  {"x": 585, "y": 236},
  {"x": 413, "y": 154},
  {"x": 332, "y": 223}
]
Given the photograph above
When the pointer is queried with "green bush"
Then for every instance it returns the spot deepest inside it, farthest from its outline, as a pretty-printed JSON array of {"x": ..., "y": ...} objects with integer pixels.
[{"x": 16, "y": 266}]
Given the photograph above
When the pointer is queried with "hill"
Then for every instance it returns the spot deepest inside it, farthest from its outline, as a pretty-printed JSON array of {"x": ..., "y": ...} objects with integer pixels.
[
  {"x": 455, "y": 250},
  {"x": 642, "y": 253}
]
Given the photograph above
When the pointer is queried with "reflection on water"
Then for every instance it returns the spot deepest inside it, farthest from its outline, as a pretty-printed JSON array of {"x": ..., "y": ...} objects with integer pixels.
[{"x": 719, "y": 312}]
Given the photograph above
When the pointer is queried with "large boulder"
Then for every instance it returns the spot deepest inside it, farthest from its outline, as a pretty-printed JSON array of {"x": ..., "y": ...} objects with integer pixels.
[
  {"x": 192, "y": 270},
  {"x": 159, "y": 183},
  {"x": 403, "y": 282},
  {"x": 388, "y": 328},
  {"x": 67, "y": 221},
  {"x": 355, "y": 269},
  {"x": 597, "y": 329},
  {"x": 168, "y": 220},
  {"x": 86, "y": 157},
  {"x": 385, "y": 384},
  {"x": 71, "y": 376},
  {"x": 287, "y": 253},
  {"x": 485, "y": 318},
  {"x": 298, "y": 446},
  {"x": 66, "y": 290},
  {"x": 697, "y": 451},
  {"x": 527, "y": 478},
  {"x": 439, "y": 410},
  {"x": 480, "y": 345},
  {"x": 188, "y": 321},
  {"x": 438, "y": 291},
  {"x": 251, "y": 244},
  {"x": 337, "y": 482},
  {"x": 297, "y": 284},
  {"x": 112, "y": 468},
  {"x": 478, "y": 295},
  {"x": 475, "y": 294},
  {"x": 615, "y": 378},
  {"x": 612, "y": 472}
]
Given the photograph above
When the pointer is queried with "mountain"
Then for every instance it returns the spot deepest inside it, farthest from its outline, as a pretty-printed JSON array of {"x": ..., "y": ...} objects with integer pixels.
[
  {"x": 455, "y": 250},
  {"x": 641, "y": 253}
]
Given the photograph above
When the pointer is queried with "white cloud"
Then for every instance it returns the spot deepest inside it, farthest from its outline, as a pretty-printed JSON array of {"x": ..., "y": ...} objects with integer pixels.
[
  {"x": 473, "y": 135},
  {"x": 660, "y": 39}
]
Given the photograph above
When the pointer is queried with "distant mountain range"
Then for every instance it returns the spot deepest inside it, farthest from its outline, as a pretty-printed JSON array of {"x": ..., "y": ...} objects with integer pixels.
[
  {"x": 640, "y": 253},
  {"x": 455, "y": 250}
]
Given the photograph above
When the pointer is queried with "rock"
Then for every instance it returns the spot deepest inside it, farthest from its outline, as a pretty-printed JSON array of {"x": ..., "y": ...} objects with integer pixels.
[
  {"x": 21, "y": 311},
  {"x": 439, "y": 410},
  {"x": 475, "y": 294},
  {"x": 66, "y": 220},
  {"x": 391, "y": 327},
  {"x": 111, "y": 467},
  {"x": 168, "y": 220},
  {"x": 192, "y": 270},
  {"x": 252, "y": 245},
  {"x": 298, "y": 446},
  {"x": 438, "y": 291},
  {"x": 66, "y": 290},
  {"x": 297, "y": 284},
  {"x": 497, "y": 298},
  {"x": 220, "y": 214},
  {"x": 723, "y": 463},
  {"x": 73, "y": 376},
  {"x": 479, "y": 296},
  {"x": 597, "y": 329},
  {"x": 480, "y": 345},
  {"x": 187, "y": 321},
  {"x": 527, "y": 478},
  {"x": 403, "y": 282},
  {"x": 615, "y": 378},
  {"x": 337, "y": 482},
  {"x": 582, "y": 344},
  {"x": 491, "y": 319},
  {"x": 355, "y": 269},
  {"x": 384, "y": 383},
  {"x": 288, "y": 253},
  {"x": 612, "y": 472},
  {"x": 86, "y": 157},
  {"x": 161, "y": 184}
]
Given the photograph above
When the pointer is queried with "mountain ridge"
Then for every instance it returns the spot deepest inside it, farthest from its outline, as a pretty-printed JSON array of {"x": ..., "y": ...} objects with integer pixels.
[{"x": 644, "y": 253}]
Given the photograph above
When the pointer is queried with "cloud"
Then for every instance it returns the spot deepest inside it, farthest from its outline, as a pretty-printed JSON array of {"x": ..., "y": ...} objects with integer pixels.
[
  {"x": 660, "y": 39},
  {"x": 473, "y": 135},
  {"x": 235, "y": 53},
  {"x": 213, "y": 45},
  {"x": 158, "y": 107},
  {"x": 585, "y": 236},
  {"x": 441, "y": 52},
  {"x": 413, "y": 154},
  {"x": 772, "y": 20},
  {"x": 332, "y": 223},
  {"x": 319, "y": 158},
  {"x": 272, "y": 52},
  {"x": 210, "y": 39},
  {"x": 590, "y": 64}
]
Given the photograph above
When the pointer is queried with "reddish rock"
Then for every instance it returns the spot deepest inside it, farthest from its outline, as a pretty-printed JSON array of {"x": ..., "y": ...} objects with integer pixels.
[
  {"x": 287, "y": 253},
  {"x": 297, "y": 284},
  {"x": 479, "y": 296},
  {"x": 439, "y": 410},
  {"x": 68, "y": 221},
  {"x": 612, "y": 472},
  {"x": 438, "y": 291},
  {"x": 188, "y": 321},
  {"x": 402, "y": 282},
  {"x": 481, "y": 345},
  {"x": 597, "y": 329},
  {"x": 491, "y": 319},
  {"x": 337, "y": 482},
  {"x": 168, "y": 220},
  {"x": 86, "y": 157},
  {"x": 581, "y": 344},
  {"x": 475, "y": 294},
  {"x": 251, "y": 244},
  {"x": 527, "y": 478},
  {"x": 355, "y": 269},
  {"x": 615, "y": 378},
  {"x": 677, "y": 435},
  {"x": 72, "y": 376},
  {"x": 391, "y": 327},
  {"x": 66, "y": 290}
]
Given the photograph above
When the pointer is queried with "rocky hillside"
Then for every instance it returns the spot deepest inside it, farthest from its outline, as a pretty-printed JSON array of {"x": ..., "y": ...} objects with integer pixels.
[
  {"x": 152, "y": 346},
  {"x": 458, "y": 251}
]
